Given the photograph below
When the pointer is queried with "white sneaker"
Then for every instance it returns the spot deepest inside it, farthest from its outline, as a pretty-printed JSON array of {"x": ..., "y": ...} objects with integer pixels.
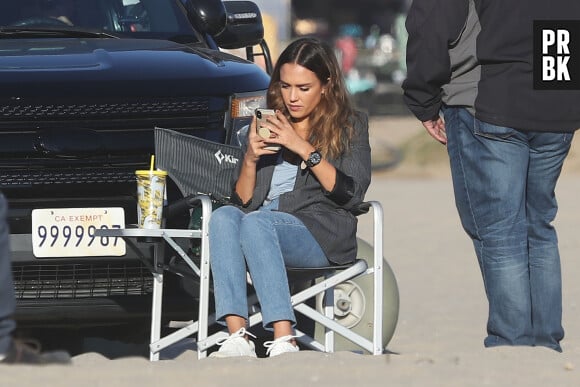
[
  {"x": 280, "y": 345},
  {"x": 235, "y": 345}
]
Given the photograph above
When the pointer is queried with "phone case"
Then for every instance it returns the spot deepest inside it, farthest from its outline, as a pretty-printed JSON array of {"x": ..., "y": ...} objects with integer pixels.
[{"x": 261, "y": 115}]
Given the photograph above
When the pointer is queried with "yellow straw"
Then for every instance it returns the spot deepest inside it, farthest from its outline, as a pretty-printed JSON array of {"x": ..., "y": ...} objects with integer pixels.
[{"x": 152, "y": 161}]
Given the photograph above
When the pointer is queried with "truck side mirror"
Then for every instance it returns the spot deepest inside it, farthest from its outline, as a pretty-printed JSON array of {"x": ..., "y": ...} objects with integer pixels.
[
  {"x": 244, "y": 25},
  {"x": 208, "y": 16}
]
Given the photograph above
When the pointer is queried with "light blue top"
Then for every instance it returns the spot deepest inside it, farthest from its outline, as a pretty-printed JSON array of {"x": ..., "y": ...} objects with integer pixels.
[{"x": 283, "y": 180}]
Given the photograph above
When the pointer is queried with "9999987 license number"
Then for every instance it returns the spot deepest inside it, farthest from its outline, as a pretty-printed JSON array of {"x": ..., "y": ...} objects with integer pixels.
[{"x": 70, "y": 232}]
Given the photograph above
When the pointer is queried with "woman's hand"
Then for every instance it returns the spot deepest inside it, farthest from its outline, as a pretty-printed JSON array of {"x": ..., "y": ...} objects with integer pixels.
[
  {"x": 284, "y": 134},
  {"x": 256, "y": 144},
  {"x": 256, "y": 147}
]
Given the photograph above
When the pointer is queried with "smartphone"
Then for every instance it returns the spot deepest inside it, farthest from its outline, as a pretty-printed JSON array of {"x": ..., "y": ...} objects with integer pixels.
[
  {"x": 261, "y": 116},
  {"x": 264, "y": 132}
]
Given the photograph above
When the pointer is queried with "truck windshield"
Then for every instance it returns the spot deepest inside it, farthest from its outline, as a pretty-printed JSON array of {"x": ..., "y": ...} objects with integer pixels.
[{"x": 162, "y": 19}]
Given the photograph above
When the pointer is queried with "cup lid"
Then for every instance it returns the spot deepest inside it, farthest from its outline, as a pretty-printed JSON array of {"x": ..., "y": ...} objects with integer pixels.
[{"x": 148, "y": 172}]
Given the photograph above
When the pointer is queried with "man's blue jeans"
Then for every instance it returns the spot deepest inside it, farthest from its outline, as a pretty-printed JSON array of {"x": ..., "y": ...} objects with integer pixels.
[
  {"x": 504, "y": 182},
  {"x": 266, "y": 241}
]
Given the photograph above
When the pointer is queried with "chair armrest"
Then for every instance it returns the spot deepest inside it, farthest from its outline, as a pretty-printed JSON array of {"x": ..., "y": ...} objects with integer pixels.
[{"x": 185, "y": 203}]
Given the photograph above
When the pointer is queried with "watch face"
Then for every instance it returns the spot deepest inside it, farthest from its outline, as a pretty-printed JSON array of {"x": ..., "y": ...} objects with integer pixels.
[{"x": 314, "y": 159}]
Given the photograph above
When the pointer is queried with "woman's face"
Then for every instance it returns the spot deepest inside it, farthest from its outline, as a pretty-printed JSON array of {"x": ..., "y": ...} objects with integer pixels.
[{"x": 301, "y": 90}]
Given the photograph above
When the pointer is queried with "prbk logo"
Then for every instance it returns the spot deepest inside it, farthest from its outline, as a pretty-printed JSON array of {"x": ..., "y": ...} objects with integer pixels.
[
  {"x": 557, "y": 54},
  {"x": 222, "y": 157}
]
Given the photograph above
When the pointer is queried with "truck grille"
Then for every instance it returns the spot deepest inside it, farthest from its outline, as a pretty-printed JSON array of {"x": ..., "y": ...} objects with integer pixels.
[
  {"x": 19, "y": 178},
  {"x": 109, "y": 110},
  {"x": 66, "y": 281}
]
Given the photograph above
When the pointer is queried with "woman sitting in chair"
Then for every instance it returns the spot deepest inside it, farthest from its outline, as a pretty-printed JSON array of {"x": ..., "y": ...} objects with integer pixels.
[{"x": 292, "y": 207}]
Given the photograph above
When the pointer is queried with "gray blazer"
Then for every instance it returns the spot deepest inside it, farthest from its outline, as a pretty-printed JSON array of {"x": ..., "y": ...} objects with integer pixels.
[{"x": 328, "y": 215}]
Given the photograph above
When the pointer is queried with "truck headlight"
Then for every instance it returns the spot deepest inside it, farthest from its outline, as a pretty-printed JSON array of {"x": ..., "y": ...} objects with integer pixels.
[
  {"x": 242, "y": 110},
  {"x": 244, "y": 105}
]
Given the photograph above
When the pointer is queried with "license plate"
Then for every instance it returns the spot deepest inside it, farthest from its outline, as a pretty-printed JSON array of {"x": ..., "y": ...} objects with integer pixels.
[{"x": 69, "y": 232}]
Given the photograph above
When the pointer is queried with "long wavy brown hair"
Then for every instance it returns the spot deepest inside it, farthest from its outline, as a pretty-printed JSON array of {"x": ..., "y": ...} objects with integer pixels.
[{"x": 331, "y": 122}]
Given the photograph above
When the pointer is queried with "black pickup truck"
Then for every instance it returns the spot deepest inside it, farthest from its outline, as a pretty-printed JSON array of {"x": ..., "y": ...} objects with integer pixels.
[{"x": 83, "y": 84}]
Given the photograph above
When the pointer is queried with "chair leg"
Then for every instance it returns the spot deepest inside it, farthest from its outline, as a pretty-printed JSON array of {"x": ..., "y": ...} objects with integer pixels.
[
  {"x": 157, "y": 298},
  {"x": 203, "y": 314},
  {"x": 329, "y": 312},
  {"x": 378, "y": 277},
  {"x": 156, "y": 313}
]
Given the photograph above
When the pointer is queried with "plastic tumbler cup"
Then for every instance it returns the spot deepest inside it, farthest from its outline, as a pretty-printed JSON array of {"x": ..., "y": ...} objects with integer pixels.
[{"x": 150, "y": 195}]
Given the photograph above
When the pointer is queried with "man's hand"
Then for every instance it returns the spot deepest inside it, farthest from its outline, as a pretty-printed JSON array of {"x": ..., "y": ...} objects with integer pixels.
[{"x": 436, "y": 128}]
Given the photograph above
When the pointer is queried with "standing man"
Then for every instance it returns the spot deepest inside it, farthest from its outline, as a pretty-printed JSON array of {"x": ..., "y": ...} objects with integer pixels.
[
  {"x": 13, "y": 351},
  {"x": 470, "y": 82}
]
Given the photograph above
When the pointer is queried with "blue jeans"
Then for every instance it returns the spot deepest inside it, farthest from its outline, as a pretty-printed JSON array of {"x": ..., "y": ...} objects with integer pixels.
[
  {"x": 504, "y": 181},
  {"x": 265, "y": 242},
  {"x": 7, "y": 301}
]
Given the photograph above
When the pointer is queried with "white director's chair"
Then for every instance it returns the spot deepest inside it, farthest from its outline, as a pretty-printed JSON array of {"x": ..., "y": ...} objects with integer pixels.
[{"x": 357, "y": 302}]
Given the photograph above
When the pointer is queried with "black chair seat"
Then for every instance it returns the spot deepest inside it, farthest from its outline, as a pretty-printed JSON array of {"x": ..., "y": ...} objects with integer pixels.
[{"x": 311, "y": 273}]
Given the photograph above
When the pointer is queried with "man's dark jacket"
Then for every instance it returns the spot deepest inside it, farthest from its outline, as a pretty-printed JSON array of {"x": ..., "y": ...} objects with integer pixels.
[{"x": 441, "y": 44}]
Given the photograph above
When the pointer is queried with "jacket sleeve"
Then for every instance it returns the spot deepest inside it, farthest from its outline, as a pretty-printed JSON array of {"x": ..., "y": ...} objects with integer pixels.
[
  {"x": 353, "y": 173},
  {"x": 433, "y": 26}
]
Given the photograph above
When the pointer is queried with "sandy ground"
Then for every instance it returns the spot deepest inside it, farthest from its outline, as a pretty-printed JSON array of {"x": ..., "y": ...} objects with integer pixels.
[{"x": 438, "y": 340}]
